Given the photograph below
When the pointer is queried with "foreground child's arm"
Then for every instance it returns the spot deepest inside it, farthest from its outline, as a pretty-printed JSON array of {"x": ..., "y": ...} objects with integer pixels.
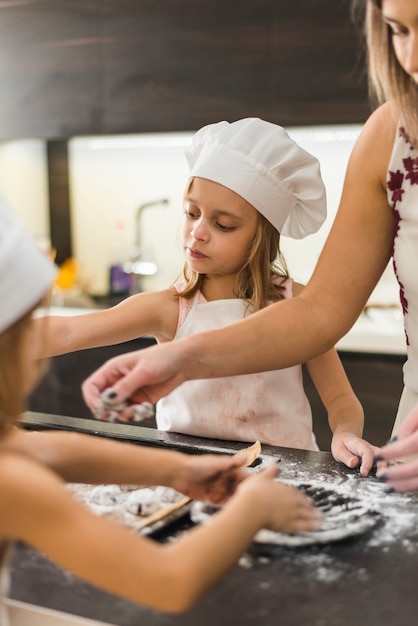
[
  {"x": 96, "y": 460},
  {"x": 39, "y": 511}
]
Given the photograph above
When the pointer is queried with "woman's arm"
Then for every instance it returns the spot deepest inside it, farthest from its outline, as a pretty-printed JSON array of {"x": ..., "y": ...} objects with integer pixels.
[
  {"x": 38, "y": 510},
  {"x": 151, "y": 313}
]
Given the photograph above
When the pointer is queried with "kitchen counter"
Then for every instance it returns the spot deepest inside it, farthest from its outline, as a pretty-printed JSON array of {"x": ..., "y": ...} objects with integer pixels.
[
  {"x": 379, "y": 330},
  {"x": 370, "y": 579}
]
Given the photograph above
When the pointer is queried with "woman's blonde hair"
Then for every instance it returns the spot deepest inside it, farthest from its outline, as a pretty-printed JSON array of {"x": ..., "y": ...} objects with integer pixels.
[
  {"x": 254, "y": 281},
  {"x": 14, "y": 371},
  {"x": 387, "y": 79}
]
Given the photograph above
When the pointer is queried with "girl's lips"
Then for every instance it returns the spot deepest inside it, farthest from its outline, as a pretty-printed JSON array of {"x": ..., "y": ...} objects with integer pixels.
[{"x": 195, "y": 254}]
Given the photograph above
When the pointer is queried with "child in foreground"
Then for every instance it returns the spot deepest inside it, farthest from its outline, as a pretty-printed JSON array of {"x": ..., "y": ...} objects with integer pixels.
[{"x": 34, "y": 466}]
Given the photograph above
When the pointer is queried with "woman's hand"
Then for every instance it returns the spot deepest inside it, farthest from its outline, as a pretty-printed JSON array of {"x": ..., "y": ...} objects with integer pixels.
[
  {"x": 142, "y": 376},
  {"x": 401, "y": 476},
  {"x": 353, "y": 451}
]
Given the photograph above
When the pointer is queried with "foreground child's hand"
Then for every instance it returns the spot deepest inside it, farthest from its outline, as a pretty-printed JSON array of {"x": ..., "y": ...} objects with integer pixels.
[
  {"x": 353, "y": 451},
  {"x": 285, "y": 508},
  {"x": 211, "y": 477}
]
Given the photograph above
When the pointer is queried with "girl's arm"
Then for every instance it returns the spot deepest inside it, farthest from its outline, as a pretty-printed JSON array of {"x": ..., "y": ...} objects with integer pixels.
[
  {"x": 37, "y": 509},
  {"x": 345, "y": 412},
  {"x": 151, "y": 313},
  {"x": 86, "y": 458}
]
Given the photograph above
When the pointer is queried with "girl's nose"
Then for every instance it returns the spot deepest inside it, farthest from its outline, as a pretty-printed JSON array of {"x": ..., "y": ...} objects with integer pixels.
[{"x": 200, "y": 230}]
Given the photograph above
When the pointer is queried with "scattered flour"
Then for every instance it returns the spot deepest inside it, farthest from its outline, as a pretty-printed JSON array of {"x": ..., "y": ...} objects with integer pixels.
[
  {"x": 126, "y": 504},
  {"x": 397, "y": 516}
]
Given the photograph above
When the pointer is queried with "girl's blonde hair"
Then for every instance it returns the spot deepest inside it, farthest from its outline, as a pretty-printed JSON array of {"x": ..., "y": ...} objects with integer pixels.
[
  {"x": 254, "y": 281},
  {"x": 387, "y": 79},
  {"x": 14, "y": 363}
]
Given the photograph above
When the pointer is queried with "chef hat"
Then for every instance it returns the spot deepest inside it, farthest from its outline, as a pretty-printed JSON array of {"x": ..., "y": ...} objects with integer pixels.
[
  {"x": 26, "y": 273},
  {"x": 260, "y": 162}
]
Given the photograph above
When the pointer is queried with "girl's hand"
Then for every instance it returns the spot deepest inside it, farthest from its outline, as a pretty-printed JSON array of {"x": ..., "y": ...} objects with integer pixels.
[
  {"x": 211, "y": 477},
  {"x": 402, "y": 476},
  {"x": 353, "y": 451},
  {"x": 286, "y": 509}
]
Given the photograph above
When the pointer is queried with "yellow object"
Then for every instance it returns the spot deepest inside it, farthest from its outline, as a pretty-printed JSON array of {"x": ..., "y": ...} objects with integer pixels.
[{"x": 67, "y": 274}]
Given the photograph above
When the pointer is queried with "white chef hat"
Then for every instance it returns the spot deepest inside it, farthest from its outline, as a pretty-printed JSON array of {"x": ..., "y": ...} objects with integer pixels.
[
  {"x": 26, "y": 273},
  {"x": 260, "y": 162}
]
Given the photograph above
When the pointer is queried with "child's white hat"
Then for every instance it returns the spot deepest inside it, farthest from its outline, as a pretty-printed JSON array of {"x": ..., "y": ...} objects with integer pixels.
[
  {"x": 260, "y": 162},
  {"x": 26, "y": 273}
]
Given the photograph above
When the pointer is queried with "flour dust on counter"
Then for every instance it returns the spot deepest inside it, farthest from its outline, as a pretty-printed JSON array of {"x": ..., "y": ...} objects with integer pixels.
[
  {"x": 393, "y": 523},
  {"x": 130, "y": 505},
  {"x": 345, "y": 516}
]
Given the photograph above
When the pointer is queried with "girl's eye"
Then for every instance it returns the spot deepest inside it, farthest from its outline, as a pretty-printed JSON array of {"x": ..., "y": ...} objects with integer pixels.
[
  {"x": 190, "y": 214},
  {"x": 224, "y": 228}
]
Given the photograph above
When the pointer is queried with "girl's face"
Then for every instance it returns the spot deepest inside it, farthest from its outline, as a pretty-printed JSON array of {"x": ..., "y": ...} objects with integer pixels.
[
  {"x": 402, "y": 19},
  {"x": 217, "y": 229}
]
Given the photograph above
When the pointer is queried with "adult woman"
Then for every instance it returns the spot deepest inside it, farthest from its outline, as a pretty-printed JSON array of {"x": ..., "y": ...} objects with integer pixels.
[{"x": 375, "y": 220}]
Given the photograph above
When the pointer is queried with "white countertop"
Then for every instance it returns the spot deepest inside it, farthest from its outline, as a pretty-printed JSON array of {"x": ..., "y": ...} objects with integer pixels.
[{"x": 378, "y": 331}]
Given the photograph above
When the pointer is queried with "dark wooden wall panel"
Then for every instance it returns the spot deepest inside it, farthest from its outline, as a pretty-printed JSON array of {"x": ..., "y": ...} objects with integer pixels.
[
  {"x": 195, "y": 63},
  {"x": 319, "y": 72},
  {"x": 50, "y": 68},
  {"x": 120, "y": 66}
]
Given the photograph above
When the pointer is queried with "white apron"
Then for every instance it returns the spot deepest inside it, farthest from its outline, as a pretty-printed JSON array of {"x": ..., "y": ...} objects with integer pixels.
[{"x": 269, "y": 406}]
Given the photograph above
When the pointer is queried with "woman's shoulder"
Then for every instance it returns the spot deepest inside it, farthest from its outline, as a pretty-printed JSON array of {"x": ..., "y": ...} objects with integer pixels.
[
  {"x": 381, "y": 126},
  {"x": 372, "y": 152}
]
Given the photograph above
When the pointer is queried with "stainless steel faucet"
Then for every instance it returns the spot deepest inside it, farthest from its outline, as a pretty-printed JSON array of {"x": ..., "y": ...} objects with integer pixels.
[
  {"x": 138, "y": 214},
  {"x": 136, "y": 266}
]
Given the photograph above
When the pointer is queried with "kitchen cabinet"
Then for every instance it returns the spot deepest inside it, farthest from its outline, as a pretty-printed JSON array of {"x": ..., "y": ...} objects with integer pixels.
[
  {"x": 59, "y": 392},
  {"x": 103, "y": 67},
  {"x": 376, "y": 379}
]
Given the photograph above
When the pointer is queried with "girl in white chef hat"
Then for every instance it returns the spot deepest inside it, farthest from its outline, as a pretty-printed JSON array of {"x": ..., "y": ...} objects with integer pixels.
[
  {"x": 249, "y": 184},
  {"x": 39, "y": 510}
]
